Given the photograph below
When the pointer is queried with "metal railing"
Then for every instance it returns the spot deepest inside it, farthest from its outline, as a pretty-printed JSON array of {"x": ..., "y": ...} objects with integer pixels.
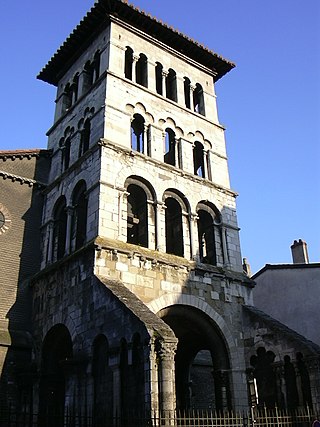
[{"x": 191, "y": 418}]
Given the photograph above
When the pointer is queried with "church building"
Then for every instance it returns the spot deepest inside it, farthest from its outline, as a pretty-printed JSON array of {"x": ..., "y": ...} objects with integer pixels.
[{"x": 125, "y": 289}]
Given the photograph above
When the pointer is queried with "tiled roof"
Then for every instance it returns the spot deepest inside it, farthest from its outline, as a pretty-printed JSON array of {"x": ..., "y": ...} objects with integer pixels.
[{"x": 99, "y": 17}]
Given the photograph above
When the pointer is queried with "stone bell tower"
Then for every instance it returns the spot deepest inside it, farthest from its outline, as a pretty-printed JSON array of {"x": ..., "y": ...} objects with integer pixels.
[{"x": 141, "y": 286}]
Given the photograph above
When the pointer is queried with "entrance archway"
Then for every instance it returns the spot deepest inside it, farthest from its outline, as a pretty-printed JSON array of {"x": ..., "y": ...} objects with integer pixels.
[
  {"x": 201, "y": 363},
  {"x": 56, "y": 351}
]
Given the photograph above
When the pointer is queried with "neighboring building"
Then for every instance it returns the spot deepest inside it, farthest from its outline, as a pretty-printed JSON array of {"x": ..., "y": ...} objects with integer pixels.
[
  {"x": 291, "y": 292},
  {"x": 140, "y": 300}
]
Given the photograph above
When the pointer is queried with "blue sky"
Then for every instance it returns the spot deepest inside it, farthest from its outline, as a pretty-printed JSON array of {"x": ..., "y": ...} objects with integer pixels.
[{"x": 270, "y": 103}]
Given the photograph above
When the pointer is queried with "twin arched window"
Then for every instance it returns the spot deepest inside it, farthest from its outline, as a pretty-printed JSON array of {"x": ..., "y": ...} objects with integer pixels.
[
  {"x": 137, "y": 216},
  {"x": 141, "y": 67},
  {"x": 137, "y": 133},
  {"x": 61, "y": 245}
]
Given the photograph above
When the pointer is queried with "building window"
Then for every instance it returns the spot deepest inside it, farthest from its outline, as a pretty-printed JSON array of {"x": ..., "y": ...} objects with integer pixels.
[
  {"x": 209, "y": 233},
  {"x": 59, "y": 229},
  {"x": 174, "y": 230},
  {"x": 170, "y": 147},
  {"x": 79, "y": 218},
  {"x": 158, "y": 71},
  {"x": 198, "y": 100},
  {"x": 67, "y": 98},
  {"x": 142, "y": 70},
  {"x": 171, "y": 85},
  {"x": 187, "y": 89},
  {"x": 137, "y": 133},
  {"x": 137, "y": 216},
  {"x": 91, "y": 72},
  {"x": 128, "y": 63},
  {"x": 198, "y": 159}
]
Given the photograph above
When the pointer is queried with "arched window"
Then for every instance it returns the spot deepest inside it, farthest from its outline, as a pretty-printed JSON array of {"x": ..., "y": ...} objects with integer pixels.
[
  {"x": 209, "y": 222},
  {"x": 85, "y": 137},
  {"x": 174, "y": 230},
  {"x": 198, "y": 159},
  {"x": 66, "y": 153},
  {"x": 207, "y": 244},
  {"x": 67, "y": 98},
  {"x": 187, "y": 88},
  {"x": 170, "y": 147},
  {"x": 198, "y": 100},
  {"x": 88, "y": 73},
  {"x": 75, "y": 87},
  {"x": 142, "y": 70},
  {"x": 102, "y": 381},
  {"x": 137, "y": 133},
  {"x": 171, "y": 85},
  {"x": 59, "y": 229},
  {"x": 158, "y": 71},
  {"x": 79, "y": 218},
  {"x": 137, "y": 216},
  {"x": 96, "y": 66},
  {"x": 128, "y": 61}
]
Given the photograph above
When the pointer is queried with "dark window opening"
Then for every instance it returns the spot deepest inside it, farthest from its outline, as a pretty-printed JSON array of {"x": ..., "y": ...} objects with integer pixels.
[
  {"x": 66, "y": 153},
  {"x": 75, "y": 87},
  {"x": 174, "y": 230},
  {"x": 85, "y": 138},
  {"x": 171, "y": 85},
  {"x": 88, "y": 75},
  {"x": 137, "y": 216},
  {"x": 96, "y": 66},
  {"x": 137, "y": 133},
  {"x": 198, "y": 100},
  {"x": 206, "y": 236},
  {"x": 158, "y": 71},
  {"x": 59, "y": 229},
  {"x": 79, "y": 219},
  {"x": 142, "y": 70},
  {"x": 128, "y": 63},
  {"x": 170, "y": 147},
  {"x": 67, "y": 98},
  {"x": 198, "y": 159},
  {"x": 187, "y": 98}
]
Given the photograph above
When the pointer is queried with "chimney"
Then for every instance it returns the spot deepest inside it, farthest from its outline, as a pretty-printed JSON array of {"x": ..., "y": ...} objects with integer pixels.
[{"x": 299, "y": 252}]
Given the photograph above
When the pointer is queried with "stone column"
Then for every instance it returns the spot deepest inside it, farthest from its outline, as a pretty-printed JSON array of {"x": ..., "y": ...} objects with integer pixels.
[
  {"x": 208, "y": 159},
  {"x": 49, "y": 233},
  {"x": 122, "y": 199},
  {"x": 164, "y": 76},
  {"x": 145, "y": 139},
  {"x": 192, "y": 89},
  {"x": 176, "y": 153},
  {"x": 193, "y": 230},
  {"x": 70, "y": 211},
  {"x": 160, "y": 226},
  {"x": 224, "y": 245},
  {"x": 135, "y": 59},
  {"x": 221, "y": 381},
  {"x": 152, "y": 229},
  {"x": 167, "y": 394},
  {"x": 205, "y": 164}
]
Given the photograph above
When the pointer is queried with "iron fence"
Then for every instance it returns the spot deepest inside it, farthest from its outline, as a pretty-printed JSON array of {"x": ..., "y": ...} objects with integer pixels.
[{"x": 191, "y": 418}]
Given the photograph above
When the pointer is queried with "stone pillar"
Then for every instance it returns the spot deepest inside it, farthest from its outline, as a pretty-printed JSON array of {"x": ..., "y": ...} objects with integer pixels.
[
  {"x": 160, "y": 226},
  {"x": 194, "y": 253},
  {"x": 221, "y": 381},
  {"x": 164, "y": 76},
  {"x": 122, "y": 212},
  {"x": 50, "y": 227},
  {"x": 135, "y": 59},
  {"x": 186, "y": 234},
  {"x": 176, "y": 153},
  {"x": 152, "y": 229},
  {"x": 205, "y": 164},
  {"x": 192, "y": 89},
  {"x": 70, "y": 211},
  {"x": 145, "y": 139},
  {"x": 224, "y": 245},
  {"x": 209, "y": 163},
  {"x": 167, "y": 394}
]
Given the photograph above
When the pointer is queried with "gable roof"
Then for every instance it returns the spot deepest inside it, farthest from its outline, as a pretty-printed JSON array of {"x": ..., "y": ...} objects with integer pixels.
[{"x": 99, "y": 17}]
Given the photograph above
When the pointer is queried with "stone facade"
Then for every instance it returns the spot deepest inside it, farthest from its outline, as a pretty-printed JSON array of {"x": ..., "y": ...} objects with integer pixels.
[{"x": 140, "y": 292}]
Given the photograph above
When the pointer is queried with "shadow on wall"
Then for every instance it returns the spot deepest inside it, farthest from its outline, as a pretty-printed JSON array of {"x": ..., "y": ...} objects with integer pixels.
[{"x": 25, "y": 202}]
